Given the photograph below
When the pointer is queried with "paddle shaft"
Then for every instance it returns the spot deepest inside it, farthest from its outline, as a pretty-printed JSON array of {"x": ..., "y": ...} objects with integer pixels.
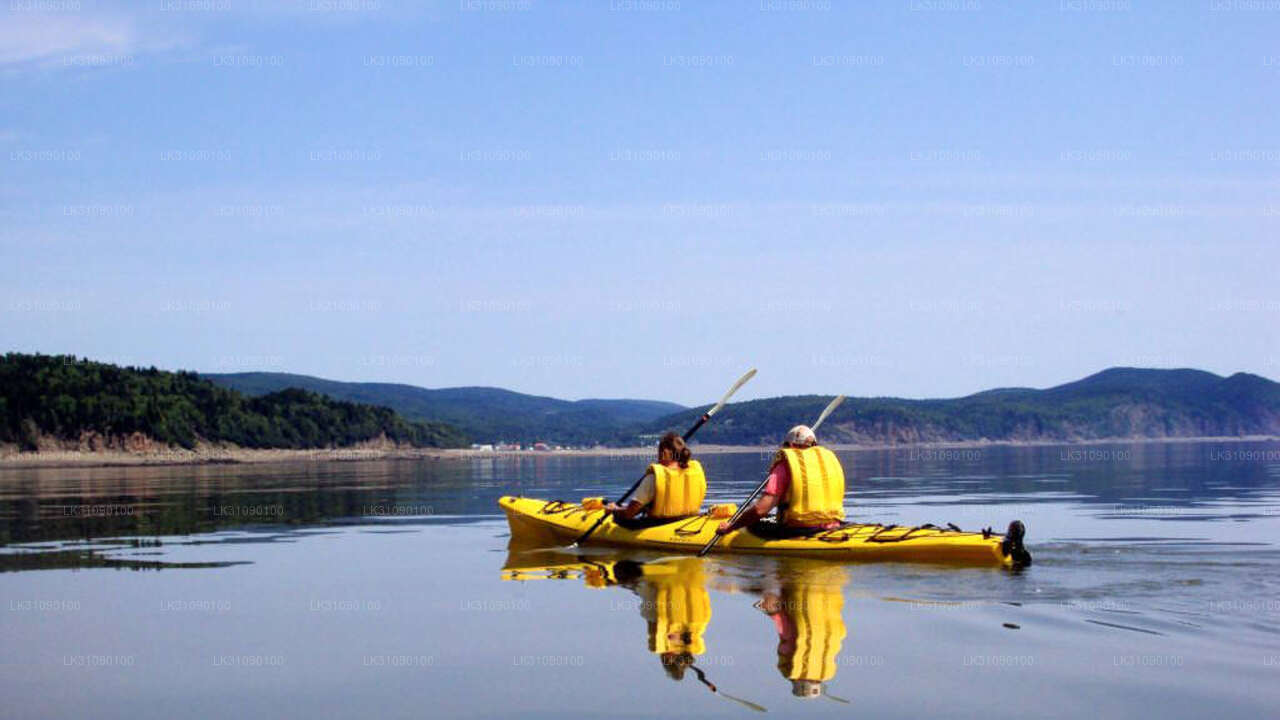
[
  {"x": 742, "y": 509},
  {"x": 687, "y": 434},
  {"x": 702, "y": 678}
]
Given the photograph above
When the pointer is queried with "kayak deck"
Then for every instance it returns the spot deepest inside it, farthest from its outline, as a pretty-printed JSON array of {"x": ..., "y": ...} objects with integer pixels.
[{"x": 556, "y": 522}]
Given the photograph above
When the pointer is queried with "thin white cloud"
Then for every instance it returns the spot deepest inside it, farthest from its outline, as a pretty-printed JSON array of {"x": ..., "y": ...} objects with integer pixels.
[
  {"x": 52, "y": 40},
  {"x": 66, "y": 35},
  {"x": 46, "y": 39}
]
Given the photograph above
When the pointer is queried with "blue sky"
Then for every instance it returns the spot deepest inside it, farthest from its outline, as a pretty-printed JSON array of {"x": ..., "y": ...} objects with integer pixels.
[{"x": 643, "y": 199}]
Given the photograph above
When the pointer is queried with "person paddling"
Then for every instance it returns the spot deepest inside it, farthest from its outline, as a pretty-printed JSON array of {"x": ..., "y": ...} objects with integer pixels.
[
  {"x": 806, "y": 486},
  {"x": 673, "y": 488}
]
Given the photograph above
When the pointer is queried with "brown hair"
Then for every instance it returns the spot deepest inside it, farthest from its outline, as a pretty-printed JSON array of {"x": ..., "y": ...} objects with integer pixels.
[
  {"x": 674, "y": 444},
  {"x": 675, "y": 663}
]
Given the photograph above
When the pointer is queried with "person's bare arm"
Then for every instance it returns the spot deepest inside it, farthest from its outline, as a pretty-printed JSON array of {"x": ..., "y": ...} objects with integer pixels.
[
  {"x": 632, "y": 509},
  {"x": 762, "y": 507},
  {"x": 637, "y": 504}
]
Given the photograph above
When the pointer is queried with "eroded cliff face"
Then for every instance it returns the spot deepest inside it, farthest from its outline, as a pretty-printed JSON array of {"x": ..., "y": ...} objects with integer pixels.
[
  {"x": 1139, "y": 421},
  {"x": 1145, "y": 420},
  {"x": 885, "y": 432}
]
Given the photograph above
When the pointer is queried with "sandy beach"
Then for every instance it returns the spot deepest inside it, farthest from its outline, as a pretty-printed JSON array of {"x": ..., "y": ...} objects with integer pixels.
[{"x": 10, "y": 458}]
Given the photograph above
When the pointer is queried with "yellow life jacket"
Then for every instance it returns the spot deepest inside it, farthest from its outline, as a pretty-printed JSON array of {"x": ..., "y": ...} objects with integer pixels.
[
  {"x": 816, "y": 494},
  {"x": 680, "y": 610},
  {"x": 820, "y": 631},
  {"x": 677, "y": 491}
]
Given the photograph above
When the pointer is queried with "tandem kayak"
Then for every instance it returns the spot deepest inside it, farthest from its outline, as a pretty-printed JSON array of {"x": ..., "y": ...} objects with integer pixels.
[{"x": 554, "y": 522}]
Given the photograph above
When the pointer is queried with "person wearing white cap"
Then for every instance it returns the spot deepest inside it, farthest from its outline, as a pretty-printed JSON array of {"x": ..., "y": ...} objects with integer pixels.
[{"x": 806, "y": 486}]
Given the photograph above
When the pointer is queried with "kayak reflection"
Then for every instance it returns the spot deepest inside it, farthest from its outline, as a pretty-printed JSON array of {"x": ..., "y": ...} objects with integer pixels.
[{"x": 803, "y": 599}]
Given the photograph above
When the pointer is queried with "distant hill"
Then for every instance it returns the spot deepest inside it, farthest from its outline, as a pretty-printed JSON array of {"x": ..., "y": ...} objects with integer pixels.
[
  {"x": 1115, "y": 403},
  {"x": 64, "y": 399},
  {"x": 485, "y": 414}
]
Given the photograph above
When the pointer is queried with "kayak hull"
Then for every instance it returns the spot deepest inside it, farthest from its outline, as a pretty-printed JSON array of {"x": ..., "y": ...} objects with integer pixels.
[{"x": 542, "y": 522}]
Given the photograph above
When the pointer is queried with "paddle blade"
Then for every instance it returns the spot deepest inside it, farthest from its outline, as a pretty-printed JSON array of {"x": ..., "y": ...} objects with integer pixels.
[
  {"x": 746, "y": 703},
  {"x": 831, "y": 407},
  {"x": 736, "y": 386}
]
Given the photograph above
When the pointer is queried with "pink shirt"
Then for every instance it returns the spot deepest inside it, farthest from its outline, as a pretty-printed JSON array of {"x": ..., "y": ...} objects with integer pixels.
[{"x": 779, "y": 480}]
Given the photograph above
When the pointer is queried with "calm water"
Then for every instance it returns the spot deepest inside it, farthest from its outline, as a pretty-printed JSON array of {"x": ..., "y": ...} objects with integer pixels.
[{"x": 385, "y": 589}]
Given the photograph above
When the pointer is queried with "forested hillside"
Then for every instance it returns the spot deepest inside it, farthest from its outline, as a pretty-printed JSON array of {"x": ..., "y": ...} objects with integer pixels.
[
  {"x": 63, "y": 397},
  {"x": 484, "y": 414}
]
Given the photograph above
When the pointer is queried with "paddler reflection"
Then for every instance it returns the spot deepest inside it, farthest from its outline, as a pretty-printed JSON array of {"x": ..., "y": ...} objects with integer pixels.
[
  {"x": 672, "y": 599},
  {"x": 804, "y": 600},
  {"x": 806, "y": 604},
  {"x": 677, "y": 608},
  {"x": 673, "y": 602}
]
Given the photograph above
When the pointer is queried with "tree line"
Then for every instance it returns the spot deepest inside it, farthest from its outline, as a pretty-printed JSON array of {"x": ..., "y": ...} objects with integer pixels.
[{"x": 62, "y": 396}]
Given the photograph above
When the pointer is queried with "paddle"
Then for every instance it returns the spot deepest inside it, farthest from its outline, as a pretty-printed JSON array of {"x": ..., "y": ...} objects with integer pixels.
[
  {"x": 743, "y": 507},
  {"x": 702, "y": 678},
  {"x": 688, "y": 434}
]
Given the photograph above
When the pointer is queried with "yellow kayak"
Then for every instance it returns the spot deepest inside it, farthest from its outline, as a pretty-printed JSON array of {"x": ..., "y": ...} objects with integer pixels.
[{"x": 553, "y": 522}]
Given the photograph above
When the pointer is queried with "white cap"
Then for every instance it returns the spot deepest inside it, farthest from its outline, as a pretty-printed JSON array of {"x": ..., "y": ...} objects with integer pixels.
[
  {"x": 807, "y": 689},
  {"x": 801, "y": 436}
]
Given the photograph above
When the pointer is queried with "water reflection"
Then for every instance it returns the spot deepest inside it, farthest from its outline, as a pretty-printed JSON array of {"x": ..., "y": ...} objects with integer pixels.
[
  {"x": 671, "y": 596},
  {"x": 802, "y": 600},
  {"x": 806, "y": 609}
]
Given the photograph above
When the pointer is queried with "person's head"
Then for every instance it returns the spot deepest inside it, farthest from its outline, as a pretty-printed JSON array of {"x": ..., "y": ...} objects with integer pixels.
[
  {"x": 628, "y": 572},
  {"x": 807, "y": 689},
  {"x": 676, "y": 663},
  {"x": 801, "y": 437},
  {"x": 671, "y": 449}
]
